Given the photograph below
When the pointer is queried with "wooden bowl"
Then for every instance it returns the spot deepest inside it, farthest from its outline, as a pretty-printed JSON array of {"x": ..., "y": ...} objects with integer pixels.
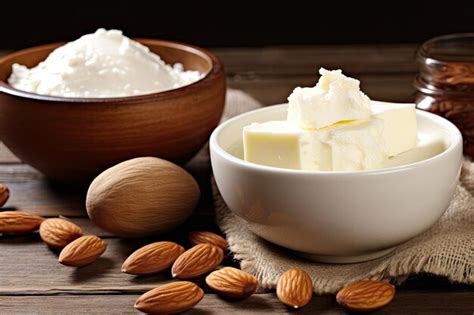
[{"x": 74, "y": 139}]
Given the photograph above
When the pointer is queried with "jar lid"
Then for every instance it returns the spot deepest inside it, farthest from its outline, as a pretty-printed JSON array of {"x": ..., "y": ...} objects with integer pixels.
[
  {"x": 448, "y": 61},
  {"x": 448, "y": 48}
]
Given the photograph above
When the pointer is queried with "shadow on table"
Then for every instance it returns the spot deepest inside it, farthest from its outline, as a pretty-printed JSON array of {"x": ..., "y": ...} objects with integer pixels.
[
  {"x": 93, "y": 271},
  {"x": 255, "y": 303}
]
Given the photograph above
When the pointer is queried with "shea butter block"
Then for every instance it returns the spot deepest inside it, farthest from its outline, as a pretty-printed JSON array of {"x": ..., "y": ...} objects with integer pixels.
[
  {"x": 274, "y": 143},
  {"x": 282, "y": 144},
  {"x": 342, "y": 147},
  {"x": 400, "y": 131},
  {"x": 357, "y": 146}
]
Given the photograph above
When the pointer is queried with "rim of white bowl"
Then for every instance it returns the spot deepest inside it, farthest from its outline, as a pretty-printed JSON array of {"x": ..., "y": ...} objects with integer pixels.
[{"x": 455, "y": 134}]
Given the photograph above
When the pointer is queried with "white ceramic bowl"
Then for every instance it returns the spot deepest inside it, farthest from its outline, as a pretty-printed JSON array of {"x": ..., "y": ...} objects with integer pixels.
[{"x": 336, "y": 217}]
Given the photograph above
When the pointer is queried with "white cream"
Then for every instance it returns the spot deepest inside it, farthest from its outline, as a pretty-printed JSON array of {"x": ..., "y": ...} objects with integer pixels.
[
  {"x": 102, "y": 64},
  {"x": 335, "y": 98}
]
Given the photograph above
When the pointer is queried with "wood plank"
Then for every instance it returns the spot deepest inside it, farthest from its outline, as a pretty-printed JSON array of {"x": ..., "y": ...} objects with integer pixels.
[
  {"x": 270, "y": 74},
  {"x": 413, "y": 302},
  {"x": 6, "y": 156},
  {"x": 30, "y": 191},
  {"x": 27, "y": 266},
  {"x": 297, "y": 60},
  {"x": 30, "y": 267},
  {"x": 275, "y": 90}
]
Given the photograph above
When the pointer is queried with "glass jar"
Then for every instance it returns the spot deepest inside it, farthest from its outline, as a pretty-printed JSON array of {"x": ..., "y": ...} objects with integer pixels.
[{"x": 445, "y": 82}]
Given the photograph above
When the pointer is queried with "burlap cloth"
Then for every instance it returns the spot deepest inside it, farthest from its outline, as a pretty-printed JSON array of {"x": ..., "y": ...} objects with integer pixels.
[{"x": 447, "y": 249}]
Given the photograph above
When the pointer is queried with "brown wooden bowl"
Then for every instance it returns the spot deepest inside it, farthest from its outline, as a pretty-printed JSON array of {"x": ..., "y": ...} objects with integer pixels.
[{"x": 74, "y": 139}]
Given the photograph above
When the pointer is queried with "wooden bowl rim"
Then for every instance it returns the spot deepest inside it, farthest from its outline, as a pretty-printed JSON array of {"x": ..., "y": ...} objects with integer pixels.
[{"x": 213, "y": 71}]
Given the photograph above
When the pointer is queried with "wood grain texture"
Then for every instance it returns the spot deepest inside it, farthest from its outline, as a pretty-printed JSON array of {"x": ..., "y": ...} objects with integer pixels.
[
  {"x": 30, "y": 191},
  {"x": 413, "y": 302},
  {"x": 6, "y": 156},
  {"x": 38, "y": 272},
  {"x": 271, "y": 90},
  {"x": 293, "y": 60},
  {"x": 271, "y": 73}
]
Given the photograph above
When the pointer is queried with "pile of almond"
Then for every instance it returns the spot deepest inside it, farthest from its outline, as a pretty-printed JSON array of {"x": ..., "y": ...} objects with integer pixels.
[{"x": 294, "y": 287}]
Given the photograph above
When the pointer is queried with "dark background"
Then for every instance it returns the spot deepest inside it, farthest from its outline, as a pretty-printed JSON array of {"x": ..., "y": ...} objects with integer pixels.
[{"x": 236, "y": 23}]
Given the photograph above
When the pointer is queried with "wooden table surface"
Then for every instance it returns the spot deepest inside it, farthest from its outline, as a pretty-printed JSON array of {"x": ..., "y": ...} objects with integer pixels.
[{"x": 32, "y": 281}]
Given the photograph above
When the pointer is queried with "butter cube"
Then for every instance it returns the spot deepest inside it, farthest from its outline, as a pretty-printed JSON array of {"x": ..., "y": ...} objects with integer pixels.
[
  {"x": 358, "y": 146},
  {"x": 400, "y": 131},
  {"x": 429, "y": 145},
  {"x": 315, "y": 152},
  {"x": 282, "y": 144},
  {"x": 342, "y": 147},
  {"x": 273, "y": 143}
]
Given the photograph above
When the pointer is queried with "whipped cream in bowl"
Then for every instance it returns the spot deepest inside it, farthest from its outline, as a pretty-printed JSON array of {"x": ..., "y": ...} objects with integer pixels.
[{"x": 101, "y": 65}]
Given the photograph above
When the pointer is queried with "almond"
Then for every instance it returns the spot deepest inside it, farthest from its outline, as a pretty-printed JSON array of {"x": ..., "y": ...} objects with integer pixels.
[
  {"x": 4, "y": 194},
  {"x": 152, "y": 258},
  {"x": 196, "y": 261},
  {"x": 366, "y": 295},
  {"x": 173, "y": 297},
  {"x": 19, "y": 222},
  {"x": 202, "y": 237},
  {"x": 294, "y": 288},
  {"x": 82, "y": 251},
  {"x": 57, "y": 232},
  {"x": 232, "y": 282}
]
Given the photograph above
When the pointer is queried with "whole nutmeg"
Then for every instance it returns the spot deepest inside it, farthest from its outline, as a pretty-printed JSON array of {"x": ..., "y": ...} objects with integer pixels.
[{"x": 142, "y": 197}]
